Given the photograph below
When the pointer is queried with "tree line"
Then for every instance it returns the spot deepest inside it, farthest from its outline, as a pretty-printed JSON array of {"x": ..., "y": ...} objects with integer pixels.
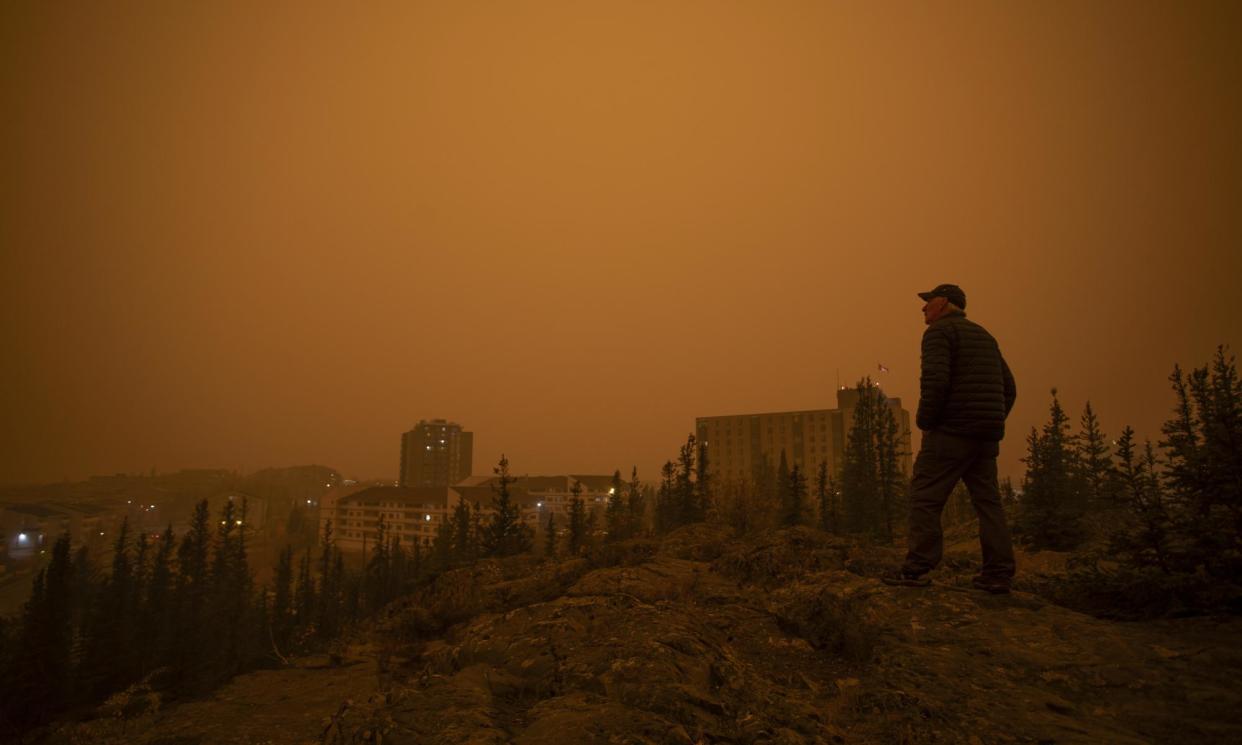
[
  {"x": 184, "y": 614},
  {"x": 1174, "y": 506}
]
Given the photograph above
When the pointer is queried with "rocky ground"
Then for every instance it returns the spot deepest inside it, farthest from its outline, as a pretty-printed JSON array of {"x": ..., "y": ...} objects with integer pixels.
[{"x": 784, "y": 638}]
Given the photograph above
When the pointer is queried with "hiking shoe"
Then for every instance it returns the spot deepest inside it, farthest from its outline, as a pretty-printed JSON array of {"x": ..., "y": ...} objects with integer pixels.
[
  {"x": 991, "y": 585},
  {"x": 902, "y": 578}
]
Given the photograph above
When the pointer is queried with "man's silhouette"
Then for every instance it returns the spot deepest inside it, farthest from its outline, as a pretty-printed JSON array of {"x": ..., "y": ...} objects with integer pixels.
[{"x": 966, "y": 392}]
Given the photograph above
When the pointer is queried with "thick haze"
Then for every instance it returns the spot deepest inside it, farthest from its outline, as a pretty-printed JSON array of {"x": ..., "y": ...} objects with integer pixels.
[{"x": 241, "y": 235}]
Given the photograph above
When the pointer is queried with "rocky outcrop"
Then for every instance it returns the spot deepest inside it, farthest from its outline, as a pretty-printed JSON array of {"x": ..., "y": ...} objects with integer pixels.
[{"x": 786, "y": 638}]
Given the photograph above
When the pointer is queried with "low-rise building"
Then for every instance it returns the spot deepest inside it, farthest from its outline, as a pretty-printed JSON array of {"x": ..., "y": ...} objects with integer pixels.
[{"x": 414, "y": 514}]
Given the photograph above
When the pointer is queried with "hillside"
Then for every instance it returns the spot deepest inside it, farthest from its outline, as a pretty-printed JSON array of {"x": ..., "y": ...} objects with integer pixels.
[{"x": 783, "y": 638}]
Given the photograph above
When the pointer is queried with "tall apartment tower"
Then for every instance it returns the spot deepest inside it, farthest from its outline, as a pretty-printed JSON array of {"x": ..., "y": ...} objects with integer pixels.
[
  {"x": 738, "y": 443},
  {"x": 435, "y": 453}
]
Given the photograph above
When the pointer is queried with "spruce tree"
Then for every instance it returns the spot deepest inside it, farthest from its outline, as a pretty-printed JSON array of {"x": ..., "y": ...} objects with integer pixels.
[
  {"x": 1144, "y": 538},
  {"x": 304, "y": 597},
  {"x": 135, "y": 640},
  {"x": 822, "y": 498},
  {"x": 702, "y": 503},
  {"x": 1051, "y": 511},
  {"x": 614, "y": 516},
  {"x": 192, "y": 597},
  {"x": 42, "y": 672},
  {"x": 1096, "y": 471},
  {"x": 108, "y": 663},
  {"x": 1203, "y": 454},
  {"x": 376, "y": 581},
  {"x": 635, "y": 507},
  {"x": 328, "y": 622},
  {"x": 442, "y": 547},
  {"x": 860, "y": 471},
  {"x": 577, "y": 520},
  {"x": 686, "y": 495},
  {"x": 464, "y": 550},
  {"x": 157, "y": 629},
  {"x": 507, "y": 534},
  {"x": 782, "y": 488},
  {"x": 227, "y": 601},
  {"x": 549, "y": 537},
  {"x": 795, "y": 498},
  {"x": 667, "y": 511},
  {"x": 282, "y": 601},
  {"x": 889, "y": 478}
]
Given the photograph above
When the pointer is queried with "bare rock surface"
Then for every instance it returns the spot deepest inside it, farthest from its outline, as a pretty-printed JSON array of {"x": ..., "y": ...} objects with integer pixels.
[{"x": 784, "y": 638}]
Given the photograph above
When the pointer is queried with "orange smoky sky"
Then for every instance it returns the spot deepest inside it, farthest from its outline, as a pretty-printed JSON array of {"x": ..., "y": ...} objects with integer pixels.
[{"x": 250, "y": 234}]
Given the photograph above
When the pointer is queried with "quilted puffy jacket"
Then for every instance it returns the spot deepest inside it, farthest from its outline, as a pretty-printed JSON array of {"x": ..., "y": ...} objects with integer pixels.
[{"x": 966, "y": 388}]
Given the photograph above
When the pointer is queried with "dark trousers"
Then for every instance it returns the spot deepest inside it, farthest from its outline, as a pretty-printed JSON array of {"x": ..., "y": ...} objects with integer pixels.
[{"x": 943, "y": 460}]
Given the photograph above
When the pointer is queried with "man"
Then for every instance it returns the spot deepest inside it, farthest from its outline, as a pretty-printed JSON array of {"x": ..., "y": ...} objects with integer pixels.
[{"x": 966, "y": 394}]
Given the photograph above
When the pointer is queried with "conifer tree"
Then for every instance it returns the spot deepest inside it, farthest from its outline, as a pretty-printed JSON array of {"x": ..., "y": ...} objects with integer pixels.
[
  {"x": 282, "y": 601},
  {"x": 702, "y": 503},
  {"x": 858, "y": 473},
  {"x": 477, "y": 528},
  {"x": 636, "y": 508},
  {"x": 1203, "y": 454},
  {"x": 1052, "y": 505},
  {"x": 685, "y": 498},
  {"x": 614, "y": 515},
  {"x": 228, "y": 596},
  {"x": 549, "y": 538},
  {"x": 828, "y": 495},
  {"x": 869, "y": 476},
  {"x": 577, "y": 520},
  {"x": 328, "y": 621},
  {"x": 442, "y": 547},
  {"x": 1009, "y": 495},
  {"x": 304, "y": 596},
  {"x": 463, "y": 539},
  {"x": 667, "y": 510},
  {"x": 765, "y": 500},
  {"x": 193, "y": 586},
  {"x": 823, "y": 498},
  {"x": 1144, "y": 539},
  {"x": 108, "y": 663},
  {"x": 157, "y": 628},
  {"x": 782, "y": 488},
  {"x": 397, "y": 568},
  {"x": 378, "y": 565},
  {"x": 795, "y": 497},
  {"x": 42, "y": 672},
  {"x": 1096, "y": 471},
  {"x": 507, "y": 534},
  {"x": 891, "y": 482}
]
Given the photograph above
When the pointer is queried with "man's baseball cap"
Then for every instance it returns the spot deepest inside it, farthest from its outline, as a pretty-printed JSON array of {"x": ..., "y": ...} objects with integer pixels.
[{"x": 952, "y": 292}]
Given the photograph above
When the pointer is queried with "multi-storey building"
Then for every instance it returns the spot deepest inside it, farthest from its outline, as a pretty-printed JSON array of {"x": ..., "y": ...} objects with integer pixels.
[
  {"x": 435, "y": 453},
  {"x": 738, "y": 444},
  {"x": 414, "y": 514}
]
